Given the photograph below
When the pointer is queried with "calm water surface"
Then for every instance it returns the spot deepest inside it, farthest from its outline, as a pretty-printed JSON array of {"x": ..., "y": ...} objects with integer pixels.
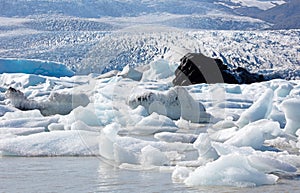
[{"x": 90, "y": 174}]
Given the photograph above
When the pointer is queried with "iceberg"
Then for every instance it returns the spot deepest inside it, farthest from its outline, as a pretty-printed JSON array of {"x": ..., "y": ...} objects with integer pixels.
[
  {"x": 5, "y": 109},
  {"x": 129, "y": 72},
  {"x": 148, "y": 159},
  {"x": 254, "y": 134},
  {"x": 152, "y": 124},
  {"x": 55, "y": 143},
  {"x": 259, "y": 110},
  {"x": 291, "y": 109},
  {"x": 37, "y": 67},
  {"x": 268, "y": 164},
  {"x": 204, "y": 146},
  {"x": 29, "y": 122},
  {"x": 57, "y": 103},
  {"x": 229, "y": 170},
  {"x": 175, "y": 103},
  {"x": 158, "y": 70}
]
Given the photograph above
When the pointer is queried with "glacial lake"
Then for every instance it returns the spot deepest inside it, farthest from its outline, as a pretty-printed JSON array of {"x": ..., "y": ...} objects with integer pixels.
[{"x": 91, "y": 174}]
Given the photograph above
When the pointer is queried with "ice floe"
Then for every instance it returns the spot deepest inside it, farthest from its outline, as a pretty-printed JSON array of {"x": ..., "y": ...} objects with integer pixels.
[{"x": 205, "y": 134}]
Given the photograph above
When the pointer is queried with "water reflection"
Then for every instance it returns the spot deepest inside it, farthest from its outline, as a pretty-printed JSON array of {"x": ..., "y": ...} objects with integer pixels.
[{"x": 91, "y": 174}]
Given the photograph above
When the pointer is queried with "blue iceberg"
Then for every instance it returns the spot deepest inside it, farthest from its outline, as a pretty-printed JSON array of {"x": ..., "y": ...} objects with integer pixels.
[{"x": 37, "y": 67}]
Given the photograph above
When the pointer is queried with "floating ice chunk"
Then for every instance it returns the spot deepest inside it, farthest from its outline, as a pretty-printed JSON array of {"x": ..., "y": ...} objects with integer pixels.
[
  {"x": 130, "y": 119},
  {"x": 22, "y": 114},
  {"x": 108, "y": 74},
  {"x": 225, "y": 149},
  {"x": 123, "y": 155},
  {"x": 259, "y": 110},
  {"x": 180, "y": 174},
  {"x": 229, "y": 170},
  {"x": 56, "y": 127},
  {"x": 122, "y": 149},
  {"x": 29, "y": 122},
  {"x": 193, "y": 163},
  {"x": 203, "y": 145},
  {"x": 156, "y": 120},
  {"x": 154, "y": 123},
  {"x": 176, "y": 137},
  {"x": 254, "y": 134},
  {"x": 153, "y": 156},
  {"x": 222, "y": 135},
  {"x": 140, "y": 110},
  {"x": 63, "y": 103},
  {"x": 4, "y": 109},
  {"x": 283, "y": 90},
  {"x": 175, "y": 103},
  {"x": 259, "y": 160},
  {"x": 291, "y": 159},
  {"x": 107, "y": 139},
  {"x": 55, "y": 143},
  {"x": 190, "y": 109},
  {"x": 164, "y": 103},
  {"x": 79, "y": 125},
  {"x": 118, "y": 149},
  {"x": 57, "y": 103},
  {"x": 268, "y": 164},
  {"x": 159, "y": 69},
  {"x": 21, "y": 80},
  {"x": 224, "y": 124},
  {"x": 295, "y": 93},
  {"x": 278, "y": 115},
  {"x": 133, "y": 117},
  {"x": 129, "y": 72},
  {"x": 234, "y": 89},
  {"x": 291, "y": 109},
  {"x": 21, "y": 131},
  {"x": 188, "y": 125},
  {"x": 80, "y": 114}
]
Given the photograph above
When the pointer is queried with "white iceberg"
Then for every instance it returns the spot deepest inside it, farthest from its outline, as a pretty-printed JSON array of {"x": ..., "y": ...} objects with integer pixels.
[
  {"x": 254, "y": 134},
  {"x": 158, "y": 70},
  {"x": 147, "y": 157},
  {"x": 129, "y": 72},
  {"x": 229, "y": 170},
  {"x": 55, "y": 143},
  {"x": 152, "y": 124},
  {"x": 57, "y": 103},
  {"x": 175, "y": 103},
  {"x": 291, "y": 109},
  {"x": 259, "y": 110}
]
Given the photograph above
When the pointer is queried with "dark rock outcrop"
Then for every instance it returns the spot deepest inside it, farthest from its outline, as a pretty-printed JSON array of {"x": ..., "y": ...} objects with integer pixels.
[{"x": 196, "y": 68}]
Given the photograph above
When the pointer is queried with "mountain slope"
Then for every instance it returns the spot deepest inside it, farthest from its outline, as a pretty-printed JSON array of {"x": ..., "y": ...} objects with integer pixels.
[
  {"x": 284, "y": 16},
  {"x": 277, "y": 12}
]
